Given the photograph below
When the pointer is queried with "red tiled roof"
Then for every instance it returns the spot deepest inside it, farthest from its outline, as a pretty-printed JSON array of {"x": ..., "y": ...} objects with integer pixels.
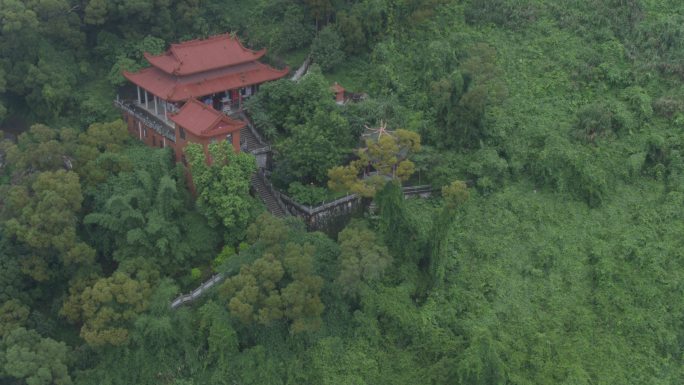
[
  {"x": 336, "y": 88},
  {"x": 196, "y": 56},
  {"x": 175, "y": 89},
  {"x": 204, "y": 121}
]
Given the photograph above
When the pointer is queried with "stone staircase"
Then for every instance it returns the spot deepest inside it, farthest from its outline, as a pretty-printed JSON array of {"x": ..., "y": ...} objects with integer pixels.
[
  {"x": 266, "y": 196},
  {"x": 250, "y": 141},
  {"x": 261, "y": 187}
]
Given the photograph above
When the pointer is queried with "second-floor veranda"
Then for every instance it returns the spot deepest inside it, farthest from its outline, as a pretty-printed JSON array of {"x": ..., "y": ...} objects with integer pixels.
[{"x": 230, "y": 102}]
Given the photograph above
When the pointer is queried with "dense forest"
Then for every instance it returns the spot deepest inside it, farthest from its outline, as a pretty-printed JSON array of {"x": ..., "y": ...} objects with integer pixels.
[{"x": 554, "y": 131}]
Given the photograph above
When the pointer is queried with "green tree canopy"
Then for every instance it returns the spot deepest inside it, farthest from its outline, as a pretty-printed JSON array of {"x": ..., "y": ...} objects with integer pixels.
[
  {"x": 44, "y": 217},
  {"x": 26, "y": 356},
  {"x": 144, "y": 213},
  {"x": 326, "y": 49},
  {"x": 222, "y": 185},
  {"x": 363, "y": 258},
  {"x": 279, "y": 285},
  {"x": 107, "y": 308}
]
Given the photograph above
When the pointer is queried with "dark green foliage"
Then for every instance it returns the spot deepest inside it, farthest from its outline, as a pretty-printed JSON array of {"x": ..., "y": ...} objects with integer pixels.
[
  {"x": 310, "y": 194},
  {"x": 574, "y": 170},
  {"x": 362, "y": 259},
  {"x": 282, "y": 105},
  {"x": 126, "y": 55},
  {"x": 659, "y": 40},
  {"x": 26, "y": 356},
  {"x": 595, "y": 121},
  {"x": 513, "y": 14},
  {"x": 310, "y": 132},
  {"x": 295, "y": 33},
  {"x": 144, "y": 213},
  {"x": 481, "y": 364},
  {"x": 362, "y": 25},
  {"x": 311, "y": 150},
  {"x": 326, "y": 50},
  {"x": 395, "y": 225},
  {"x": 563, "y": 267}
]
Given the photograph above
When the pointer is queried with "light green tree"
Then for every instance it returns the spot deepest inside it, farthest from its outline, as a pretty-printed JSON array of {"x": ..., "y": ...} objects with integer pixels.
[
  {"x": 387, "y": 153},
  {"x": 222, "y": 184},
  {"x": 107, "y": 308}
]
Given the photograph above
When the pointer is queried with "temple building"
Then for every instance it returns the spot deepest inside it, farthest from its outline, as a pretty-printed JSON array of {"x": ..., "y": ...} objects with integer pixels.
[
  {"x": 192, "y": 92},
  {"x": 199, "y": 123}
]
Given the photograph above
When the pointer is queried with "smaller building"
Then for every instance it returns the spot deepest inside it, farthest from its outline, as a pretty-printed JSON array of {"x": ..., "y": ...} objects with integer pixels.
[
  {"x": 340, "y": 93},
  {"x": 199, "y": 123},
  {"x": 342, "y": 96}
]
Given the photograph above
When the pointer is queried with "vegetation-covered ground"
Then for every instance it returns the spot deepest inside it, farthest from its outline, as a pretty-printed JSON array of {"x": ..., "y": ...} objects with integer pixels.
[{"x": 560, "y": 263}]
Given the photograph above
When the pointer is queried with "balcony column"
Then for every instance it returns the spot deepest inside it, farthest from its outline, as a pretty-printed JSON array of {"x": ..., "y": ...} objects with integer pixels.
[
  {"x": 166, "y": 118},
  {"x": 156, "y": 108},
  {"x": 147, "y": 105},
  {"x": 139, "y": 97}
]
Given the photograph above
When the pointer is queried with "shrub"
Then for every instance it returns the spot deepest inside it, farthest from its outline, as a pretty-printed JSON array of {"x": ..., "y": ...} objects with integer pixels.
[
  {"x": 195, "y": 273},
  {"x": 309, "y": 194},
  {"x": 604, "y": 119},
  {"x": 639, "y": 101}
]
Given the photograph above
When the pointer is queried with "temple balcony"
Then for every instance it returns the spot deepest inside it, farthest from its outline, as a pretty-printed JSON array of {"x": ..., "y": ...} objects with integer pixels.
[
  {"x": 231, "y": 109},
  {"x": 149, "y": 117}
]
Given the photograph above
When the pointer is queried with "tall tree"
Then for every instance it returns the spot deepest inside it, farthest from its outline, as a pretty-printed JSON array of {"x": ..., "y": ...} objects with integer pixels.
[
  {"x": 396, "y": 226},
  {"x": 312, "y": 148},
  {"x": 454, "y": 195},
  {"x": 362, "y": 259},
  {"x": 387, "y": 153},
  {"x": 107, "y": 308},
  {"x": 222, "y": 183}
]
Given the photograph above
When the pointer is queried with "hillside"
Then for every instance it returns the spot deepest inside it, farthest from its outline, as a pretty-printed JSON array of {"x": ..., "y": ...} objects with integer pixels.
[{"x": 554, "y": 131}]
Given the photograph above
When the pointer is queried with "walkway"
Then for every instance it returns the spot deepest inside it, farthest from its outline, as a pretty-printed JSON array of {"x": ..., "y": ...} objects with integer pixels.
[{"x": 261, "y": 186}]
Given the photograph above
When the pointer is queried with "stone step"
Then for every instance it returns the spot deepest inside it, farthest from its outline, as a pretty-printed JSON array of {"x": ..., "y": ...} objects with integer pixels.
[
  {"x": 266, "y": 197},
  {"x": 249, "y": 139}
]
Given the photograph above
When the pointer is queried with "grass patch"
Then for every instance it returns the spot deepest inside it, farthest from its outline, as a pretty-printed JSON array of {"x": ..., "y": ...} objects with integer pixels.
[
  {"x": 350, "y": 74},
  {"x": 295, "y": 58}
]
